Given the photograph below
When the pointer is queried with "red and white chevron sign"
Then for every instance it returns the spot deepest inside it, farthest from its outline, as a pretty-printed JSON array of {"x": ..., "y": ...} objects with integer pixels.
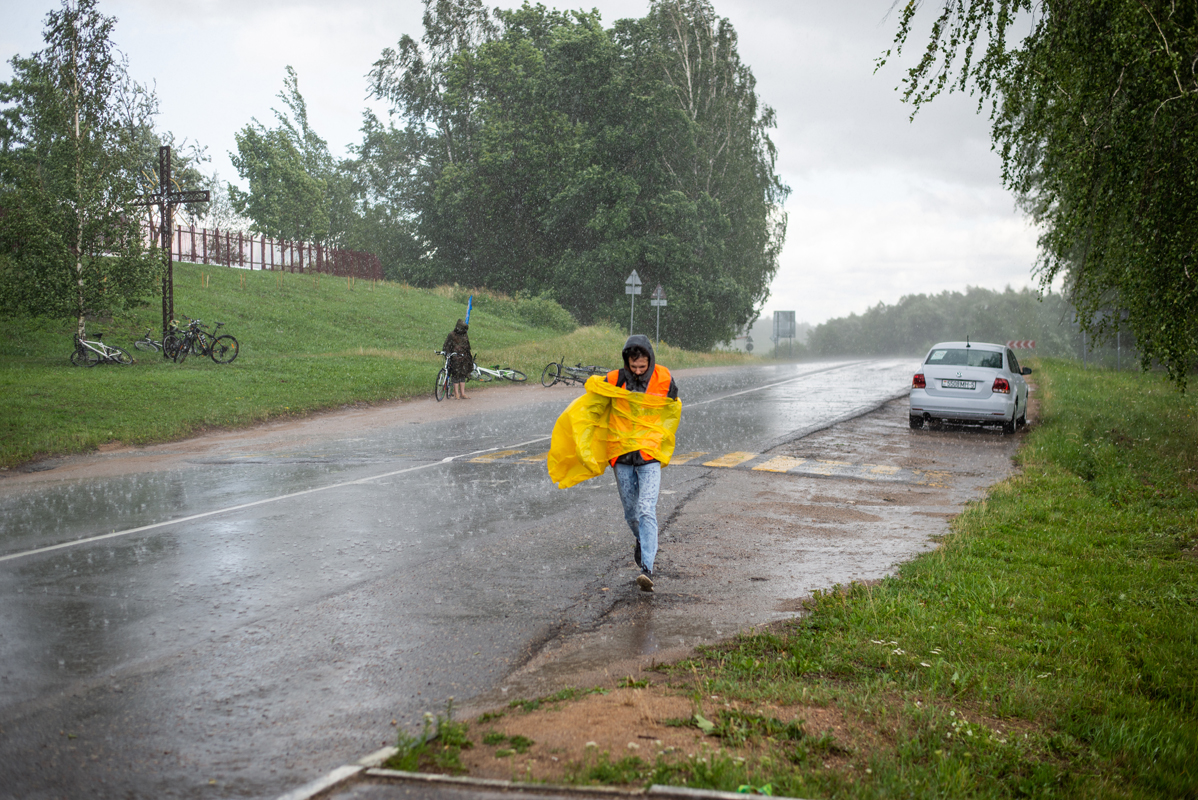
[{"x": 1022, "y": 344}]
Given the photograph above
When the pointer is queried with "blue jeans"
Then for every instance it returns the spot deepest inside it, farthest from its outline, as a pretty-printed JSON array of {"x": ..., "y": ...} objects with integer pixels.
[{"x": 638, "y": 492}]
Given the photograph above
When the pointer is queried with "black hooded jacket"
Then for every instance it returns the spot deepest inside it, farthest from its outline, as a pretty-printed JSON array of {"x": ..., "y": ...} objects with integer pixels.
[
  {"x": 639, "y": 383},
  {"x": 459, "y": 342}
]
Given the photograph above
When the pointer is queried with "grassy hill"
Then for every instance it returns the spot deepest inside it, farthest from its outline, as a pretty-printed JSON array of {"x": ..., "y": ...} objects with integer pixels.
[{"x": 307, "y": 343}]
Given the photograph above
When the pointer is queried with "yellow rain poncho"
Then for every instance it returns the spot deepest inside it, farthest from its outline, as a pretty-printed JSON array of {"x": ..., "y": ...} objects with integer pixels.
[{"x": 607, "y": 422}]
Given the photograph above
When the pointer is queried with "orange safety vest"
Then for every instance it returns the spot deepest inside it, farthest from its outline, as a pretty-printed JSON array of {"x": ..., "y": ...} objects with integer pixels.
[{"x": 659, "y": 384}]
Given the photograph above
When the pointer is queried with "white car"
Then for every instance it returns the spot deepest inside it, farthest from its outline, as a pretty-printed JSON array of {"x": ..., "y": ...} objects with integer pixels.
[{"x": 972, "y": 383}]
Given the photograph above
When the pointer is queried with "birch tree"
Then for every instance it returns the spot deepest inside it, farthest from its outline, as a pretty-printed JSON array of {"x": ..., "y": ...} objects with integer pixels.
[
  {"x": 1094, "y": 108},
  {"x": 70, "y": 243}
]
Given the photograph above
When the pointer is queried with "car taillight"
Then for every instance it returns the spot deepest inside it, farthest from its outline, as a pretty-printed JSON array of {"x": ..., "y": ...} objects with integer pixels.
[
  {"x": 918, "y": 382},
  {"x": 1001, "y": 386}
]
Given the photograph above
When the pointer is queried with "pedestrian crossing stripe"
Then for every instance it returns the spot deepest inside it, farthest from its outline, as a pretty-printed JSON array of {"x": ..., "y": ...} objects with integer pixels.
[
  {"x": 487, "y": 458},
  {"x": 822, "y": 467},
  {"x": 730, "y": 460},
  {"x": 780, "y": 464},
  {"x": 829, "y": 467}
]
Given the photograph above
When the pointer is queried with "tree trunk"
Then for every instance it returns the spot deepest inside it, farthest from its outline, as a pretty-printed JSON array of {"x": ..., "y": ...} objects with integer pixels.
[{"x": 78, "y": 193}]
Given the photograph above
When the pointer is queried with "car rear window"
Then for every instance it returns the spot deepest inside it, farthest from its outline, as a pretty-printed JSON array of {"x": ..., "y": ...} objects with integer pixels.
[{"x": 965, "y": 357}]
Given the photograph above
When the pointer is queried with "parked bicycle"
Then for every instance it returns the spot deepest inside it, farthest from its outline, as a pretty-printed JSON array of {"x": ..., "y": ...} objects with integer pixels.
[
  {"x": 89, "y": 352},
  {"x": 199, "y": 340},
  {"x": 149, "y": 344},
  {"x": 444, "y": 386},
  {"x": 485, "y": 374},
  {"x": 558, "y": 372}
]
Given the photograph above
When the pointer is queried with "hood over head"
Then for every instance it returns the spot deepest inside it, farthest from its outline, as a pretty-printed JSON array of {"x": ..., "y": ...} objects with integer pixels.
[
  {"x": 461, "y": 327},
  {"x": 638, "y": 341}
]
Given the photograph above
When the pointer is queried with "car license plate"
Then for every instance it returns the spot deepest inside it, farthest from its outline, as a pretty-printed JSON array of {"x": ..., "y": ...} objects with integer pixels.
[{"x": 954, "y": 384}]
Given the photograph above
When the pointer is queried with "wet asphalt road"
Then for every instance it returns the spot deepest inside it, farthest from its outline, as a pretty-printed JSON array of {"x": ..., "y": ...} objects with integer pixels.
[{"x": 261, "y": 617}]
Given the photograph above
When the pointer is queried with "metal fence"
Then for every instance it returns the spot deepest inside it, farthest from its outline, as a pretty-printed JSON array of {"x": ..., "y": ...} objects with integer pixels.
[{"x": 239, "y": 249}]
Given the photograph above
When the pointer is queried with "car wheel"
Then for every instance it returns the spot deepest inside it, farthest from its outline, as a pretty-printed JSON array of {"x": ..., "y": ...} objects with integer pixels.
[
  {"x": 916, "y": 422},
  {"x": 1008, "y": 426}
]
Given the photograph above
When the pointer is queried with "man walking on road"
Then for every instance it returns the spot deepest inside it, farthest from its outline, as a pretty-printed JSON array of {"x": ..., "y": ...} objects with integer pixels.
[{"x": 638, "y": 474}]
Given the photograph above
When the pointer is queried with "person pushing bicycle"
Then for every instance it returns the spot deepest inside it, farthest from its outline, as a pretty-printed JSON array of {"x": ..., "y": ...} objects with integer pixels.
[{"x": 459, "y": 368}]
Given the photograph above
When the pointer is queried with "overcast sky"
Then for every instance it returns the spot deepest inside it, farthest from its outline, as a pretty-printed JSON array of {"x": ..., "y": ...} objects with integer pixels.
[{"x": 880, "y": 206}]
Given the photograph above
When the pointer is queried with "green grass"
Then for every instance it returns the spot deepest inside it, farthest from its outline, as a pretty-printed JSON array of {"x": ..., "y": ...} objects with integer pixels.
[
  {"x": 1047, "y": 648},
  {"x": 561, "y": 696},
  {"x": 307, "y": 343},
  {"x": 438, "y": 748}
]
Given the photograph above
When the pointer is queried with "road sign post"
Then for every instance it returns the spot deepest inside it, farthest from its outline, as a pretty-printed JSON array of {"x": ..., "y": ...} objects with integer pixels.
[
  {"x": 784, "y": 328},
  {"x": 632, "y": 286},
  {"x": 658, "y": 298}
]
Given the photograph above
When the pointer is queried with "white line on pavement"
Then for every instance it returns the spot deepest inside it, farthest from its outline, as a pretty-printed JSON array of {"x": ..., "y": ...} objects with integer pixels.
[
  {"x": 264, "y": 501},
  {"x": 772, "y": 385}
]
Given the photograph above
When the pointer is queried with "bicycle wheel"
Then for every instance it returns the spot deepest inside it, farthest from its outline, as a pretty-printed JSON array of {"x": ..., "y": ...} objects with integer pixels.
[
  {"x": 442, "y": 389},
  {"x": 85, "y": 357},
  {"x": 224, "y": 349},
  {"x": 147, "y": 345},
  {"x": 551, "y": 374},
  {"x": 115, "y": 355},
  {"x": 513, "y": 375},
  {"x": 186, "y": 347},
  {"x": 171, "y": 345}
]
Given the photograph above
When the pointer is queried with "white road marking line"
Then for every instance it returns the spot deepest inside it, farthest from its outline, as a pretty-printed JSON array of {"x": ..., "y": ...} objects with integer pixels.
[
  {"x": 772, "y": 385},
  {"x": 264, "y": 501}
]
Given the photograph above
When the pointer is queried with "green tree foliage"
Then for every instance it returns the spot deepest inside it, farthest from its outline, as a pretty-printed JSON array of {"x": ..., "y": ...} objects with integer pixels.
[
  {"x": 918, "y": 321},
  {"x": 1095, "y": 112},
  {"x": 297, "y": 190},
  {"x": 382, "y": 193},
  {"x": 542, "y": 152},
  {"x": 72, "y": 132}
]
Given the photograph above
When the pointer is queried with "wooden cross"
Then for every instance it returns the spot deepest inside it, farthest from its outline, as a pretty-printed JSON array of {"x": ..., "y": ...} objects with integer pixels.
[{"x": 166, "y": 199}]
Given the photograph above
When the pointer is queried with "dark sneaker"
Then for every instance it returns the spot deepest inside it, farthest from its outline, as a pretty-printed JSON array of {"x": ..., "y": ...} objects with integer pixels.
[{"x": 645, "y": 582}]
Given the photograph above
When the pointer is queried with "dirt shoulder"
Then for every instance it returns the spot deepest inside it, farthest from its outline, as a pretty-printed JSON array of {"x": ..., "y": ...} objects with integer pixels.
[{"x": 742, "y": 550}]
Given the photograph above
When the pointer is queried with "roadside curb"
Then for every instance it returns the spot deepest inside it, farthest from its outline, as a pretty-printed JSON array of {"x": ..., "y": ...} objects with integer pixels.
[{"x": 369, "y": 767}]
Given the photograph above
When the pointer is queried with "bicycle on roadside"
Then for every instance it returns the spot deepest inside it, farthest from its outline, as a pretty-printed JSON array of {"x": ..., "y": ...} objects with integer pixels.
[
  {"x": 149, "y": 344},
  {"x": 444, "y": 385},
  {"x": 89, "y": 352},
  {"x": 558, "y": 372},
  {"x": 199, "y": 340},
  {"x": 486, "y": 374}
]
